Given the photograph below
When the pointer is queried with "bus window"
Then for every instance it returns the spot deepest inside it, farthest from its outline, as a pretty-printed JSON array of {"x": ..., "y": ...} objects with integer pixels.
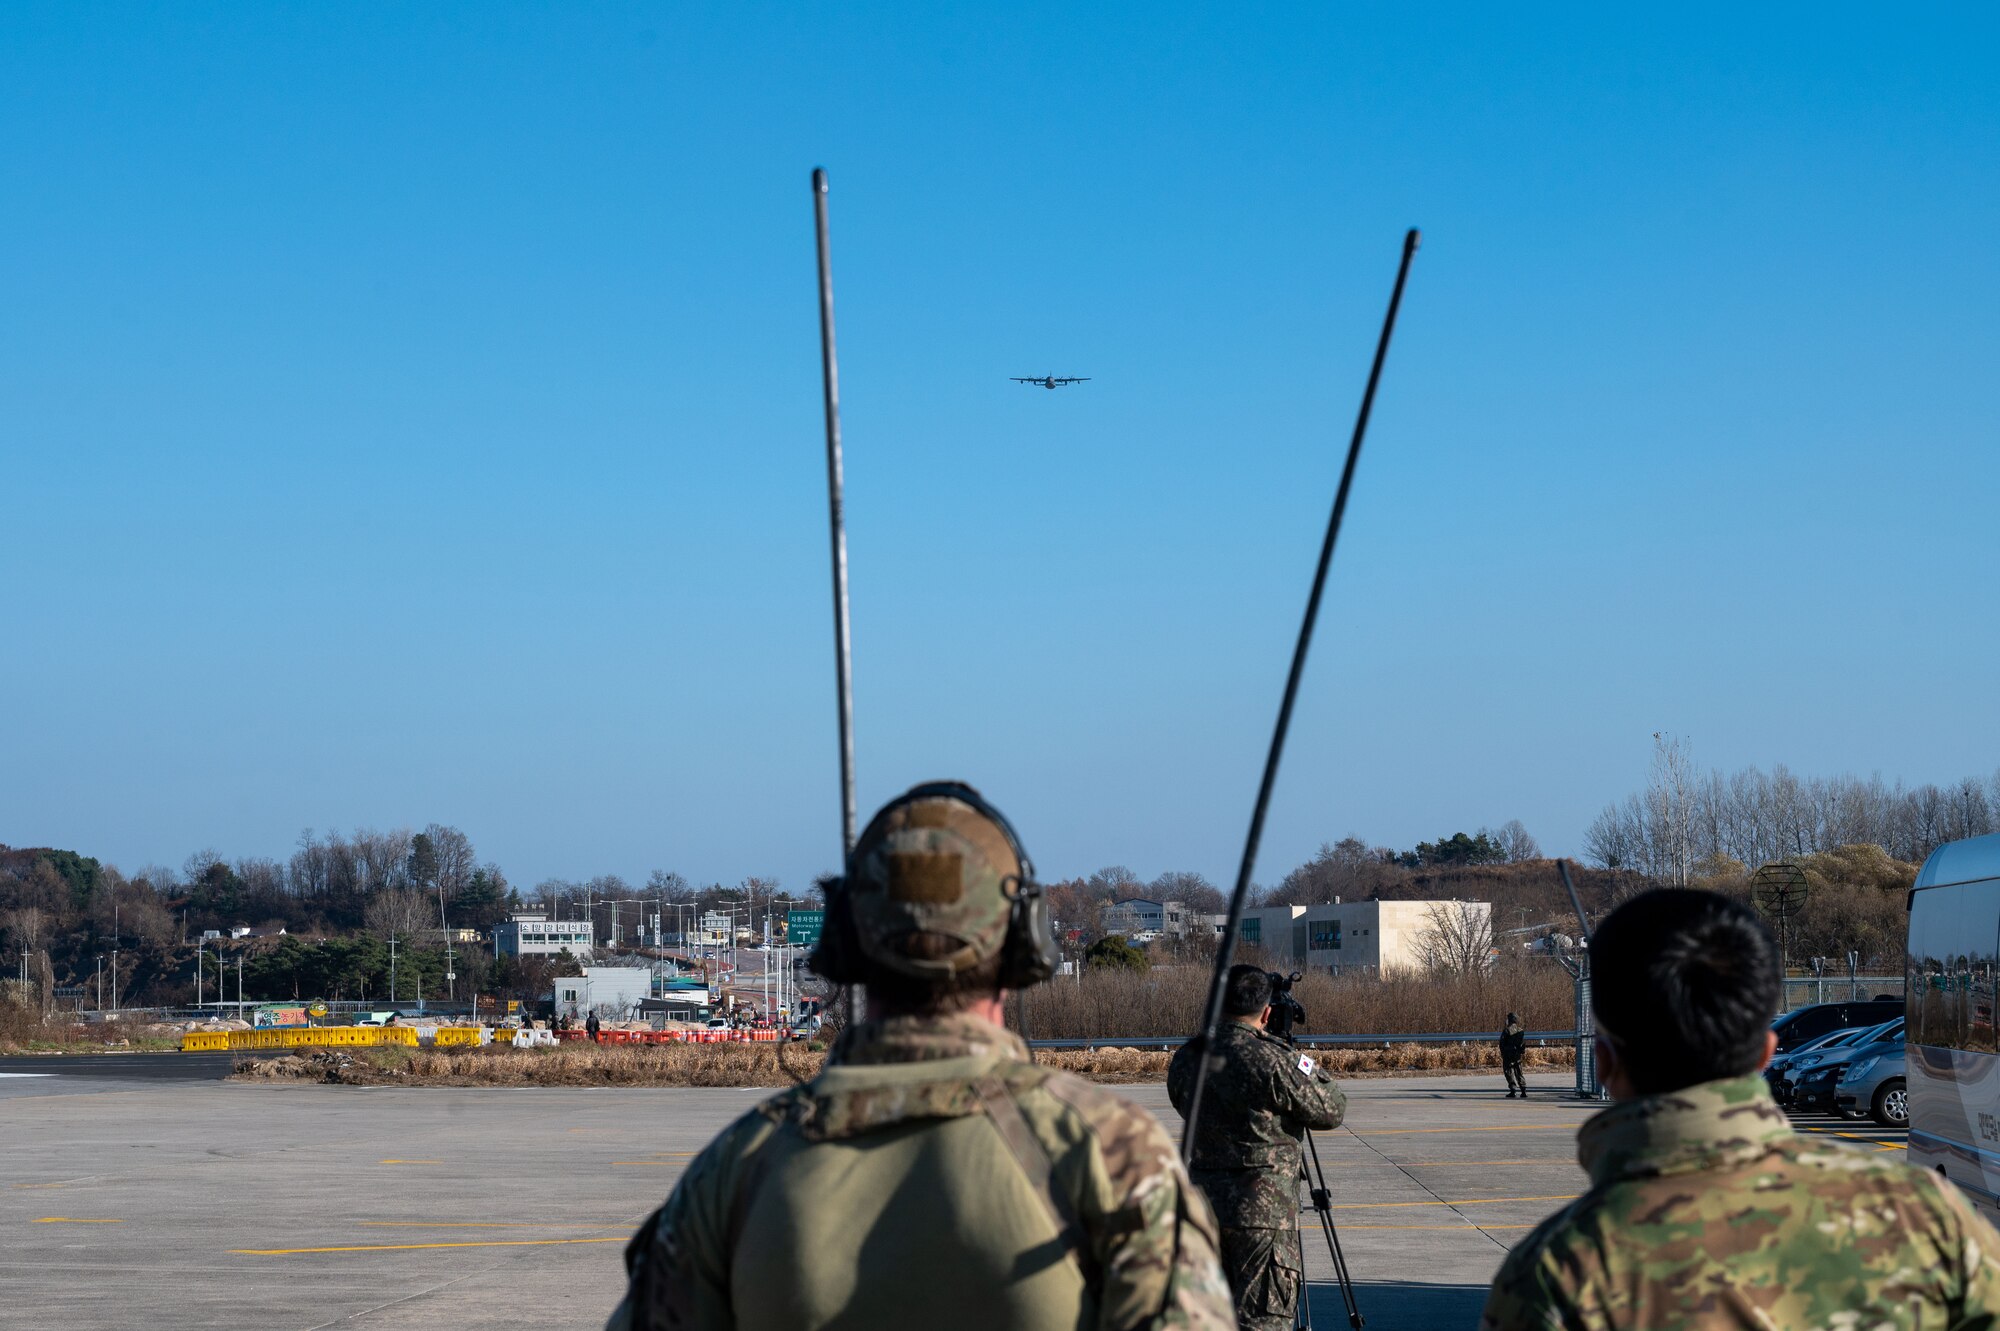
[{"x": 1953, "y": 967}]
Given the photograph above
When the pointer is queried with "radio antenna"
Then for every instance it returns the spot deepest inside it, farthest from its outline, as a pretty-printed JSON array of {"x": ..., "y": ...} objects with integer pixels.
[
  {"x": 829, "y": 366},
  {"x": 1226, "y": 953}
]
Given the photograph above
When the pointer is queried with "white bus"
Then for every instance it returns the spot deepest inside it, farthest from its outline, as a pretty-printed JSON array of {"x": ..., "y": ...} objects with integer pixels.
[{"x": 1952, "y": 1045}]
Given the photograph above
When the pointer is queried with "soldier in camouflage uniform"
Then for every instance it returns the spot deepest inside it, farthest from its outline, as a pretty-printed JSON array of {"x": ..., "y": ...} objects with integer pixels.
[
  {"x": 1248, "y": 1155},
  {"x": 932, "y": 1175},
  {"x": 1705, "y": 1209}
]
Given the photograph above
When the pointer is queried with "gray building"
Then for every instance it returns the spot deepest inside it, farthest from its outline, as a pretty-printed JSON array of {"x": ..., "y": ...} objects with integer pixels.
[
  {"x": 613, "y": 992},
  {"x": 1141, "y": 920},
  {"x": 532, "y": 935}
]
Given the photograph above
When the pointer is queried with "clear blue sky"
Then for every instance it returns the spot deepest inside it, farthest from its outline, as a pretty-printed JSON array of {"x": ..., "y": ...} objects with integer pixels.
[{"x": 411, "y": 413}]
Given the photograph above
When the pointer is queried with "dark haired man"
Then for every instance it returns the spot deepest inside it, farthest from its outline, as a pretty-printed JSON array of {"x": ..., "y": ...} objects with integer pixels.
[
  {"x": 1705, "y": 1208},
  {"x": 1247, "y": 1152},
  {"x": 931, "y": 1175}
]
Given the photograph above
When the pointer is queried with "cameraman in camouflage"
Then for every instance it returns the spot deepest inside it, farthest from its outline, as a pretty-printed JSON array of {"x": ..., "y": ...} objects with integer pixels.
[
  {"x": 932, "y": 1175},
  {"x": 1261, "y": 1097},
  {"x": 1705, "y": 1208}
]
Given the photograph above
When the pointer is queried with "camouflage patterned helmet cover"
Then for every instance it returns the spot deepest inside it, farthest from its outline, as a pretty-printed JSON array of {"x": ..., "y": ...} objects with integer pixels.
[{"x": 933, "y": 863}]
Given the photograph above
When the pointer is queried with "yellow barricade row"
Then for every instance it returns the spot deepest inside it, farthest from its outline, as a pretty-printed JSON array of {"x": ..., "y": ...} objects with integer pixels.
[{"x": 325, "y": 1037}]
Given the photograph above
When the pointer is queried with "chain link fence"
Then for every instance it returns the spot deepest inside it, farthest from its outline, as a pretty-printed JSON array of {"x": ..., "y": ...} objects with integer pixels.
[{"x": 1803, "y": 991}]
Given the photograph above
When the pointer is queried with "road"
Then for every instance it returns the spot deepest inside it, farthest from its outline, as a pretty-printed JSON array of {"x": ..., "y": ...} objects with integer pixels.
[{"x": 131, "y": 1195}]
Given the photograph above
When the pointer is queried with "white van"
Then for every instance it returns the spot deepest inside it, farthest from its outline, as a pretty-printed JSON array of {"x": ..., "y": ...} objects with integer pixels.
[{"x": 1952, "y": 1042}]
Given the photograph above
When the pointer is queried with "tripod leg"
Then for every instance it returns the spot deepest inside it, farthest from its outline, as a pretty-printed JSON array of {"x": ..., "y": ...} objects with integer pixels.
[
  {"x": 1323, "y": 1203},
  {"x": 1302, "y": 1315}
]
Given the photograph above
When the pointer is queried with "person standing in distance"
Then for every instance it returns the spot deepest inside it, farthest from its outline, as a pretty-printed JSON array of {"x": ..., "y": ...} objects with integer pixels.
[
  {"x": 1705, "y": 1209},
  {"x": 1513, "y": 1044},
  {"x": 1248, "y": 1156},
  {"x": 932, "y": 1175}
]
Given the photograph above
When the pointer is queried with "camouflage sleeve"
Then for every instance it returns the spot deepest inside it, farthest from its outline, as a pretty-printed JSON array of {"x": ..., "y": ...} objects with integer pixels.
[
  {"x": 1152, "y": 1236},
  {"x": 1523, "y": 1298},
  {"x": 1978, "y": 1246},
  {"x": 677, "y": 1265},
  {"x": 1303, "y": 1091}
]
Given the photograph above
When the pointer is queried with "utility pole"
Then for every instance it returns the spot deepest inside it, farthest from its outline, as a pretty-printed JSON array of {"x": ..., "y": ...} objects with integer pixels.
[
  {"x": 392, "y": 971},
  {"x": 239, "y": 986},
  {"x": 114, "y": 971},
  {"x": 100, "y": 984},
  {"x": 197, "y": 975}
]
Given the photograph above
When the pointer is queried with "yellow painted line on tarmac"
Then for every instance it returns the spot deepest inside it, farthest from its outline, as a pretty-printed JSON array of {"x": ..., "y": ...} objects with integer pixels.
[
  {"x": 35, "y": 1185},
  {"x": 1478, "y": 1227},
  {"x": 406, "y": 1247},
  {"x": 409, "y": 1162},
  {"x": 1439, "y": 1164},
  {"x": 1512, "y": 1127},
  {"x": 1470, "y": 1201},
  {"x": 74, "y": 1220},
  {"x": 664, "y": 1164},
  {"x": 482, "y": 1224}
]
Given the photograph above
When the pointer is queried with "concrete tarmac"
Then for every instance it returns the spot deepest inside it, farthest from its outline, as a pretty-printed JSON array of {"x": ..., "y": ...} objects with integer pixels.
[{"x": 188, "y": 1203}]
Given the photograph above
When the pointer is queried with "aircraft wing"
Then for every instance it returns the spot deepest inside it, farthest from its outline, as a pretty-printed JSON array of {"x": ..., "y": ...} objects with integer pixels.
[
  {"x": 1083, "y": 380},
  {"x": 1017, "y": 379}
]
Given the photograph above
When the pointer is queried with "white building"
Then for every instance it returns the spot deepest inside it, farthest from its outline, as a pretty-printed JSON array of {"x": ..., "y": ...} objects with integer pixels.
[
  {"x": 530, "y": 935},
  {"x": 1378, "y": 937},
  {"x": 612, "y": 992}
]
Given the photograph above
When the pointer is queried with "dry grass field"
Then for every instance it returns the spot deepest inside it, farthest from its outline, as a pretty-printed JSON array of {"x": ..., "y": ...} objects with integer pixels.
[
  {"x": 1168, "y": 1001},
  {"x": 775, "y": 1065}
]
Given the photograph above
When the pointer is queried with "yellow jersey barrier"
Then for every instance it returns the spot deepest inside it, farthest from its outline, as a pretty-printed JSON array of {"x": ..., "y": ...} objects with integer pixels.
[{"x": 329, "y": 1037}]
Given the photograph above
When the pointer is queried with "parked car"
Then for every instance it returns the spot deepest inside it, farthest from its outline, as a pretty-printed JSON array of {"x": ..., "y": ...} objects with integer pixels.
[
  {"x": 1872, "y": 1082},
  {"x": 1801, "y": 1025},
  {"x": 1816, "y": 1076},
  {"x": 1780, "y": 1064},
  {"x": 1786, "y": 1069}
]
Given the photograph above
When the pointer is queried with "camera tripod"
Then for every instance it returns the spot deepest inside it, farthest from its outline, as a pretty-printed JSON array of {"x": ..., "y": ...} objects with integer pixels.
[
  {"x": 1322, "y": 1202},
  {"x": 1286, "y": 1014}
]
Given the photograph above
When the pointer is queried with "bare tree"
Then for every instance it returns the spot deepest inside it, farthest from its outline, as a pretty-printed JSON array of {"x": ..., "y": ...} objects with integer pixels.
[
  {"x": 1457, "y": 938},
  {"x": 1514, "y": 839},
  {"x": 452, "y": 858},
  {"x": 382, "y": 858},
  {"x": 1347, "y": 869},
  {"x": 669, "y": 887},
  {"x": 308, "y": 869},
  {"x": 1670, "y": 810},
  {"x": 1200, "y": 895},
  {"x": 399, "y": 912},
  {"x": 1115, "y": 882},
  {"x": 1614, "y": 839}
]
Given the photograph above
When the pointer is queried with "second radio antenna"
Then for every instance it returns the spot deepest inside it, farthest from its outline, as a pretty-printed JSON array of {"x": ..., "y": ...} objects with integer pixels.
[{"x": 829, "y": 364}]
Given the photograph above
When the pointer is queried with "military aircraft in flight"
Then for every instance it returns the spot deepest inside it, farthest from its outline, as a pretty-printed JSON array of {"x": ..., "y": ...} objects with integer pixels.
[{"x": 1051, "y": 381}]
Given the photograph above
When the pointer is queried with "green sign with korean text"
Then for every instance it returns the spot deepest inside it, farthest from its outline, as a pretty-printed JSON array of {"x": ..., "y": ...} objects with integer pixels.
[{"x": 802, "y": 927}]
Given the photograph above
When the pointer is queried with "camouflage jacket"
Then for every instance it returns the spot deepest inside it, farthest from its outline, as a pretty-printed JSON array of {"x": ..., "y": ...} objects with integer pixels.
[
  {"x": 1706, "y": 1210},
  {"x": 931, "y": 1176},
  {"x": 1259, "y": 1100},
  {"x": 1513, "y": 1042}
]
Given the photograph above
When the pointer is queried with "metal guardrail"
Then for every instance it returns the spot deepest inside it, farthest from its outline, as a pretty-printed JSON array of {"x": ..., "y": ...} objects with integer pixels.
[{"x": 1347, "y": 1041}]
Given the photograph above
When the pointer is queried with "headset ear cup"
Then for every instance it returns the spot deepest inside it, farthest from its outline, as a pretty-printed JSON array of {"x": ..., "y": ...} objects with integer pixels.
[
  {"x": 1029, "y": 956},
  {"x": 837, "y": 955}
]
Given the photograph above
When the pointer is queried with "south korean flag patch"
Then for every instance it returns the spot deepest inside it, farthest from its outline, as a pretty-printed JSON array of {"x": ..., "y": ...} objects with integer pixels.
[{"x": 1306, "y": 1065}]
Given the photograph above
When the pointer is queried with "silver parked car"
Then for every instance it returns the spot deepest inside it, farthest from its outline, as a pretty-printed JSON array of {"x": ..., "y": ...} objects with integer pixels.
[{"x": 1873, "y": 1083}]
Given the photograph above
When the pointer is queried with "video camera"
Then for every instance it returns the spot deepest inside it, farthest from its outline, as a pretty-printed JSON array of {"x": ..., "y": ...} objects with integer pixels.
[{"x": 1286, "y": 1011}]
